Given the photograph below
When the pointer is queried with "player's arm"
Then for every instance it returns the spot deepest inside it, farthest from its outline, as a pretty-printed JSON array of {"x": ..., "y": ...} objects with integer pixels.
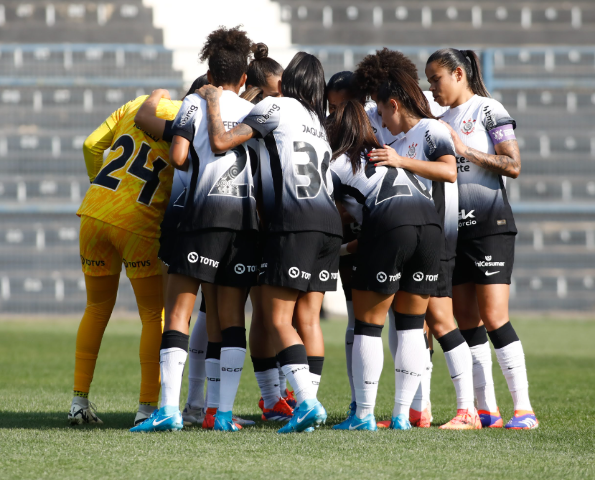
[
  {"x": 441, "y": 169},
  {"x": 94, "y": 146},
  {"x": 146, "y": 117},
  {"x": 178, "y": 153},
  {"x": 506, "y": 161}
]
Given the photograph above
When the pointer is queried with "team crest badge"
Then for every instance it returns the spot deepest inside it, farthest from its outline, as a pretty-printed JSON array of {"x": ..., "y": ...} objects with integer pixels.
[
  {"x": 468, "y": 126},
  {"x": 411, "y": 151},
  {"x": 489, "y": 258}
]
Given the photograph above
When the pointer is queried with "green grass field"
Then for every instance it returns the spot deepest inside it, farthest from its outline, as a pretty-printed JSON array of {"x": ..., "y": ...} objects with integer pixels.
[{"x": 36, "y": 364}]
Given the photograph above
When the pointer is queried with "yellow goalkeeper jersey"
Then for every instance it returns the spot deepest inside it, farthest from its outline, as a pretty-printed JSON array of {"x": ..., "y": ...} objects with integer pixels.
[{"x": 132, "y": 187}]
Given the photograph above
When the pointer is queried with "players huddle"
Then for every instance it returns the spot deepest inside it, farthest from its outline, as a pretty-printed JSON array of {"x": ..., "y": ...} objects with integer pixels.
[{"x": 400, "y": 192}]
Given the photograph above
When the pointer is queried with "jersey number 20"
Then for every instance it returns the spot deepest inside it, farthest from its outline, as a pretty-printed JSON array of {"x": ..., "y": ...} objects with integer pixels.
[{"x": 136, "y": 169}]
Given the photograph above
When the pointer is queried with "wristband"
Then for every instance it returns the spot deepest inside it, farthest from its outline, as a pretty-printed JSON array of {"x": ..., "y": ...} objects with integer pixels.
[{"x": 343, "y": 250}]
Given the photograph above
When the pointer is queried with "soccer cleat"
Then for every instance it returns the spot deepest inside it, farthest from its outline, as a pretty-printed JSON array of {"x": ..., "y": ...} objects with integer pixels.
[
  {"x": 281, "y": 412},
  {"x": 165, "y": 419},
  {"x": 400, "y": 422},
  {"x": 310, "y": 413},
  {"x": 193, "y": 416},
  {"x": 421, "y": 419},
  {"x": 224, "y": 422},
  {"x": 350, "y": 415},
  {"x": 355, "y": 423},
  {"x": 242, "y": 422},
  {"x": 209, "y": 421},
  {"x": 490, "y": 419},
  {"x": 290, "y": 399},
  {"x": 261, "y": 404},
  {"x": 144, "y": 412},
  {"x": 522, "y": 420},
  {"x": 83, "y": 411},
  {"x": 464, "y": 420}
]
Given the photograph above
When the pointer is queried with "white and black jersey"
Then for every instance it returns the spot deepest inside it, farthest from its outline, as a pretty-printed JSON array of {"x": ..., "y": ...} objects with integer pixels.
[
  {"x": 221, "y": 190},
  {"x": 177, "y": 200},
  {"x": 294, "y": 168},
  {"x": 483, "y": 204}
]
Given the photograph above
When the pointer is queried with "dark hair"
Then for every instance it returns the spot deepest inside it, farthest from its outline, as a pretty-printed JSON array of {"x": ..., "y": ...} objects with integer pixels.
[
  {"x": 400, "y": 86},
  {"x": 303, "y": 79},
  {"x": 468, "y": 60},
  {"x": 344, "y": 81},
  {"x": 349, "y": 132},
  {"x": 373, "y": 70},
  {"x": 198, "y": 83},
  {"x": 252, "y": 94},
  {"x": 227, "y": 51},
  {"x": 262, "y": 67}
]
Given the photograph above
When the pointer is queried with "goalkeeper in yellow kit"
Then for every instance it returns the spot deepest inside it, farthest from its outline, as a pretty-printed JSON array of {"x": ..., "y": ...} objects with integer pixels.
[{"x": 120, "y": 224}]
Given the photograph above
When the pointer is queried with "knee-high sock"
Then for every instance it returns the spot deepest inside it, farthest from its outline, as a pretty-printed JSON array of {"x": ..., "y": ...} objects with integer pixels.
[
  {"x": 197, "y": 353},
  {"x": 349, "y": 346},
  {"x": 511, "y": 358},
  {"x": 483, "y": 379},
  {"x": 422, "y": 395},
  {"x": 101, "y": 297},
  {"x": 393, "y": 339},
  {"x": 213, "y": 371},
  {"x": 149, "y": 298},
  {"x": 267, "y": 377},
  {"x": 460, "y": 366},
  {"x": 368, "y": 359},
  {"x": 410, "y": 360},
  {"x": 282, "y": 381},
  {"x": 315, "y": 366},
  {"x": 294, "y": 362},
  {"x": 173, "y": 354},
  {"x": 233, "y": 354}
]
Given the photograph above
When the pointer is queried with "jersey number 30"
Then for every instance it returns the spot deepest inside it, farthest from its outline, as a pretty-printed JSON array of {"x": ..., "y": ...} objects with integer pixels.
[
  {"x": 137, "y": 169},
  {"x": 310, "y": 170}
]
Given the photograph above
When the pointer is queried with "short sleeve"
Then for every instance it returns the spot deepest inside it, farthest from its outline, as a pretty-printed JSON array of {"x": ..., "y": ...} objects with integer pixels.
[
  {"x": 438, "y": 142},
  {"x": 183, "y": 124},
  {"x": 498, "y": 123},
  {"x": 265, "y": 116},
  {"x": 168, "y": 135}
]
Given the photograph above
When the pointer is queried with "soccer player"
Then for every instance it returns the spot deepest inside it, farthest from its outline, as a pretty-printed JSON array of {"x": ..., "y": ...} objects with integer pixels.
[
  {"x": 402, "y": 219},
  {"x": 120, "y": 218},
  {"x": 216, "y": 241},
  {"x": 487, "y": 153},
  {"x": 303, "y": 227}
]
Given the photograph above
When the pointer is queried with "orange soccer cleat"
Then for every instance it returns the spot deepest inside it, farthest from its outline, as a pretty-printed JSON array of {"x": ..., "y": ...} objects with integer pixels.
[{"x": 464, "y": 420}]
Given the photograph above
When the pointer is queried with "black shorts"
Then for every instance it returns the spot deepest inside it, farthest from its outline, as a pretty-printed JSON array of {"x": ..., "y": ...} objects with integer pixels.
[
  {"x": 346, "y": 264},
  {"x": 444, "y": 287},
  {"x": 217, "y": 255},
  {"x": 405, "y": 258},
  {"x": 167, "y": 242},
  {"x": 485, "y": 260},
  {"x": 306, "y": 261}
]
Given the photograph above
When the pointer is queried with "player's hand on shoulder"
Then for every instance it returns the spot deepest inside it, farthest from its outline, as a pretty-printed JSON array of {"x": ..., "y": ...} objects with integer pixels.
[
  {"x": 162, "y": 93},
  {"x": 456, "y": 140},
  {"x": 209, "y": 92},
  {"x": 385, "y": 157}
]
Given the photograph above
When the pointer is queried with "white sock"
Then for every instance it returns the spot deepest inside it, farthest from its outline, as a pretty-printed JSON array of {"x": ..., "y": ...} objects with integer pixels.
[
  {"x": 232, "y": 364},
  {"x": 512, "y": 363},
  {"x": 410, "y": 362},
  {"x": 460, "y": 367},
  {"x": 349, "y": 346},
  {"x": 368, "y": 359},
  {"x": 422, "y": 395},
  {"x": 393, "y": 340},
  {"x": 213, "y": 369},
  {"x": 300, "y": 380},
  {"x": 171, "y": 363},
  {"x": 268, "y": 382},
  {"x": 315, "y": 382},
  {"x": 483, "y": 379},
  {"x": 282, "y": 382},
  {"x": 197, "y": 350}
]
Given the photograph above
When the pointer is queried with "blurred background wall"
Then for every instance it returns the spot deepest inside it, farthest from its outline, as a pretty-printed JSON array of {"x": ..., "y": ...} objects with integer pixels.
[{"x": 65, "y": 66}]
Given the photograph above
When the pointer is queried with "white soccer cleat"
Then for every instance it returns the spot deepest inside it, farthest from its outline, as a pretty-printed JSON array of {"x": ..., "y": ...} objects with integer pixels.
[
  {"x": 144, "y": 412},
  {"x": 83, "y": 411},
  {"x": 193, "y": 416}
]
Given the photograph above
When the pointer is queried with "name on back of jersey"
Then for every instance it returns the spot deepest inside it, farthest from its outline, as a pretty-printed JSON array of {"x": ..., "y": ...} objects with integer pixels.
[{"x": 313, "y": 131}]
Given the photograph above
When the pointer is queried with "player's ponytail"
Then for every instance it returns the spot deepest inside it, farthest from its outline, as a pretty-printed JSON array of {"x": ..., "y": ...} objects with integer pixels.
[
  {"x": 451, "y": 59},
  {"x": 303, "y": 80},
  {"x": 402, "y": 87},
  {"x": 349, "y": 132},
  {"x": 261, "y": 67}
]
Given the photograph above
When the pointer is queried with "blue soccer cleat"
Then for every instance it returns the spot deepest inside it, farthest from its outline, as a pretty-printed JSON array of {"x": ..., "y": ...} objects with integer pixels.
[
  {"x": 400, "y": 422},
  {"x": 350, "y": 415},
  {"x": 165, "y": 419},
  {"x": 522, "y": 420},
  {"x": 356, "y": 423},
  {"x": 310, "y": 413},
  {"x": 224, "y": 422}
]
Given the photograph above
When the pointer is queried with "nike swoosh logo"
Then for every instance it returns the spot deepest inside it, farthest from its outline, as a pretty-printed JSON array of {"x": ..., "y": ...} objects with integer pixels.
[
  {"x": 456, "y": 376},
  {"x": 492, "y": 273},
  {"x": 353, "y": 427},
  {"x": 299, "y": 420},
  {"x": 155, "y": 422}
]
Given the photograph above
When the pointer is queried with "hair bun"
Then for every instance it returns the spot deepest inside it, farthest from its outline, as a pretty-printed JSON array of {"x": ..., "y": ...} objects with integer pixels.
[{"x": 260, "y": 51}]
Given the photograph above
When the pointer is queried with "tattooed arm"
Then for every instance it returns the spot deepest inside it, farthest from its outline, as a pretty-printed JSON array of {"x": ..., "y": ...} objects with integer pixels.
[
  {"x": 220, "y": 140},
  {"x": 506, "y": 161}
]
